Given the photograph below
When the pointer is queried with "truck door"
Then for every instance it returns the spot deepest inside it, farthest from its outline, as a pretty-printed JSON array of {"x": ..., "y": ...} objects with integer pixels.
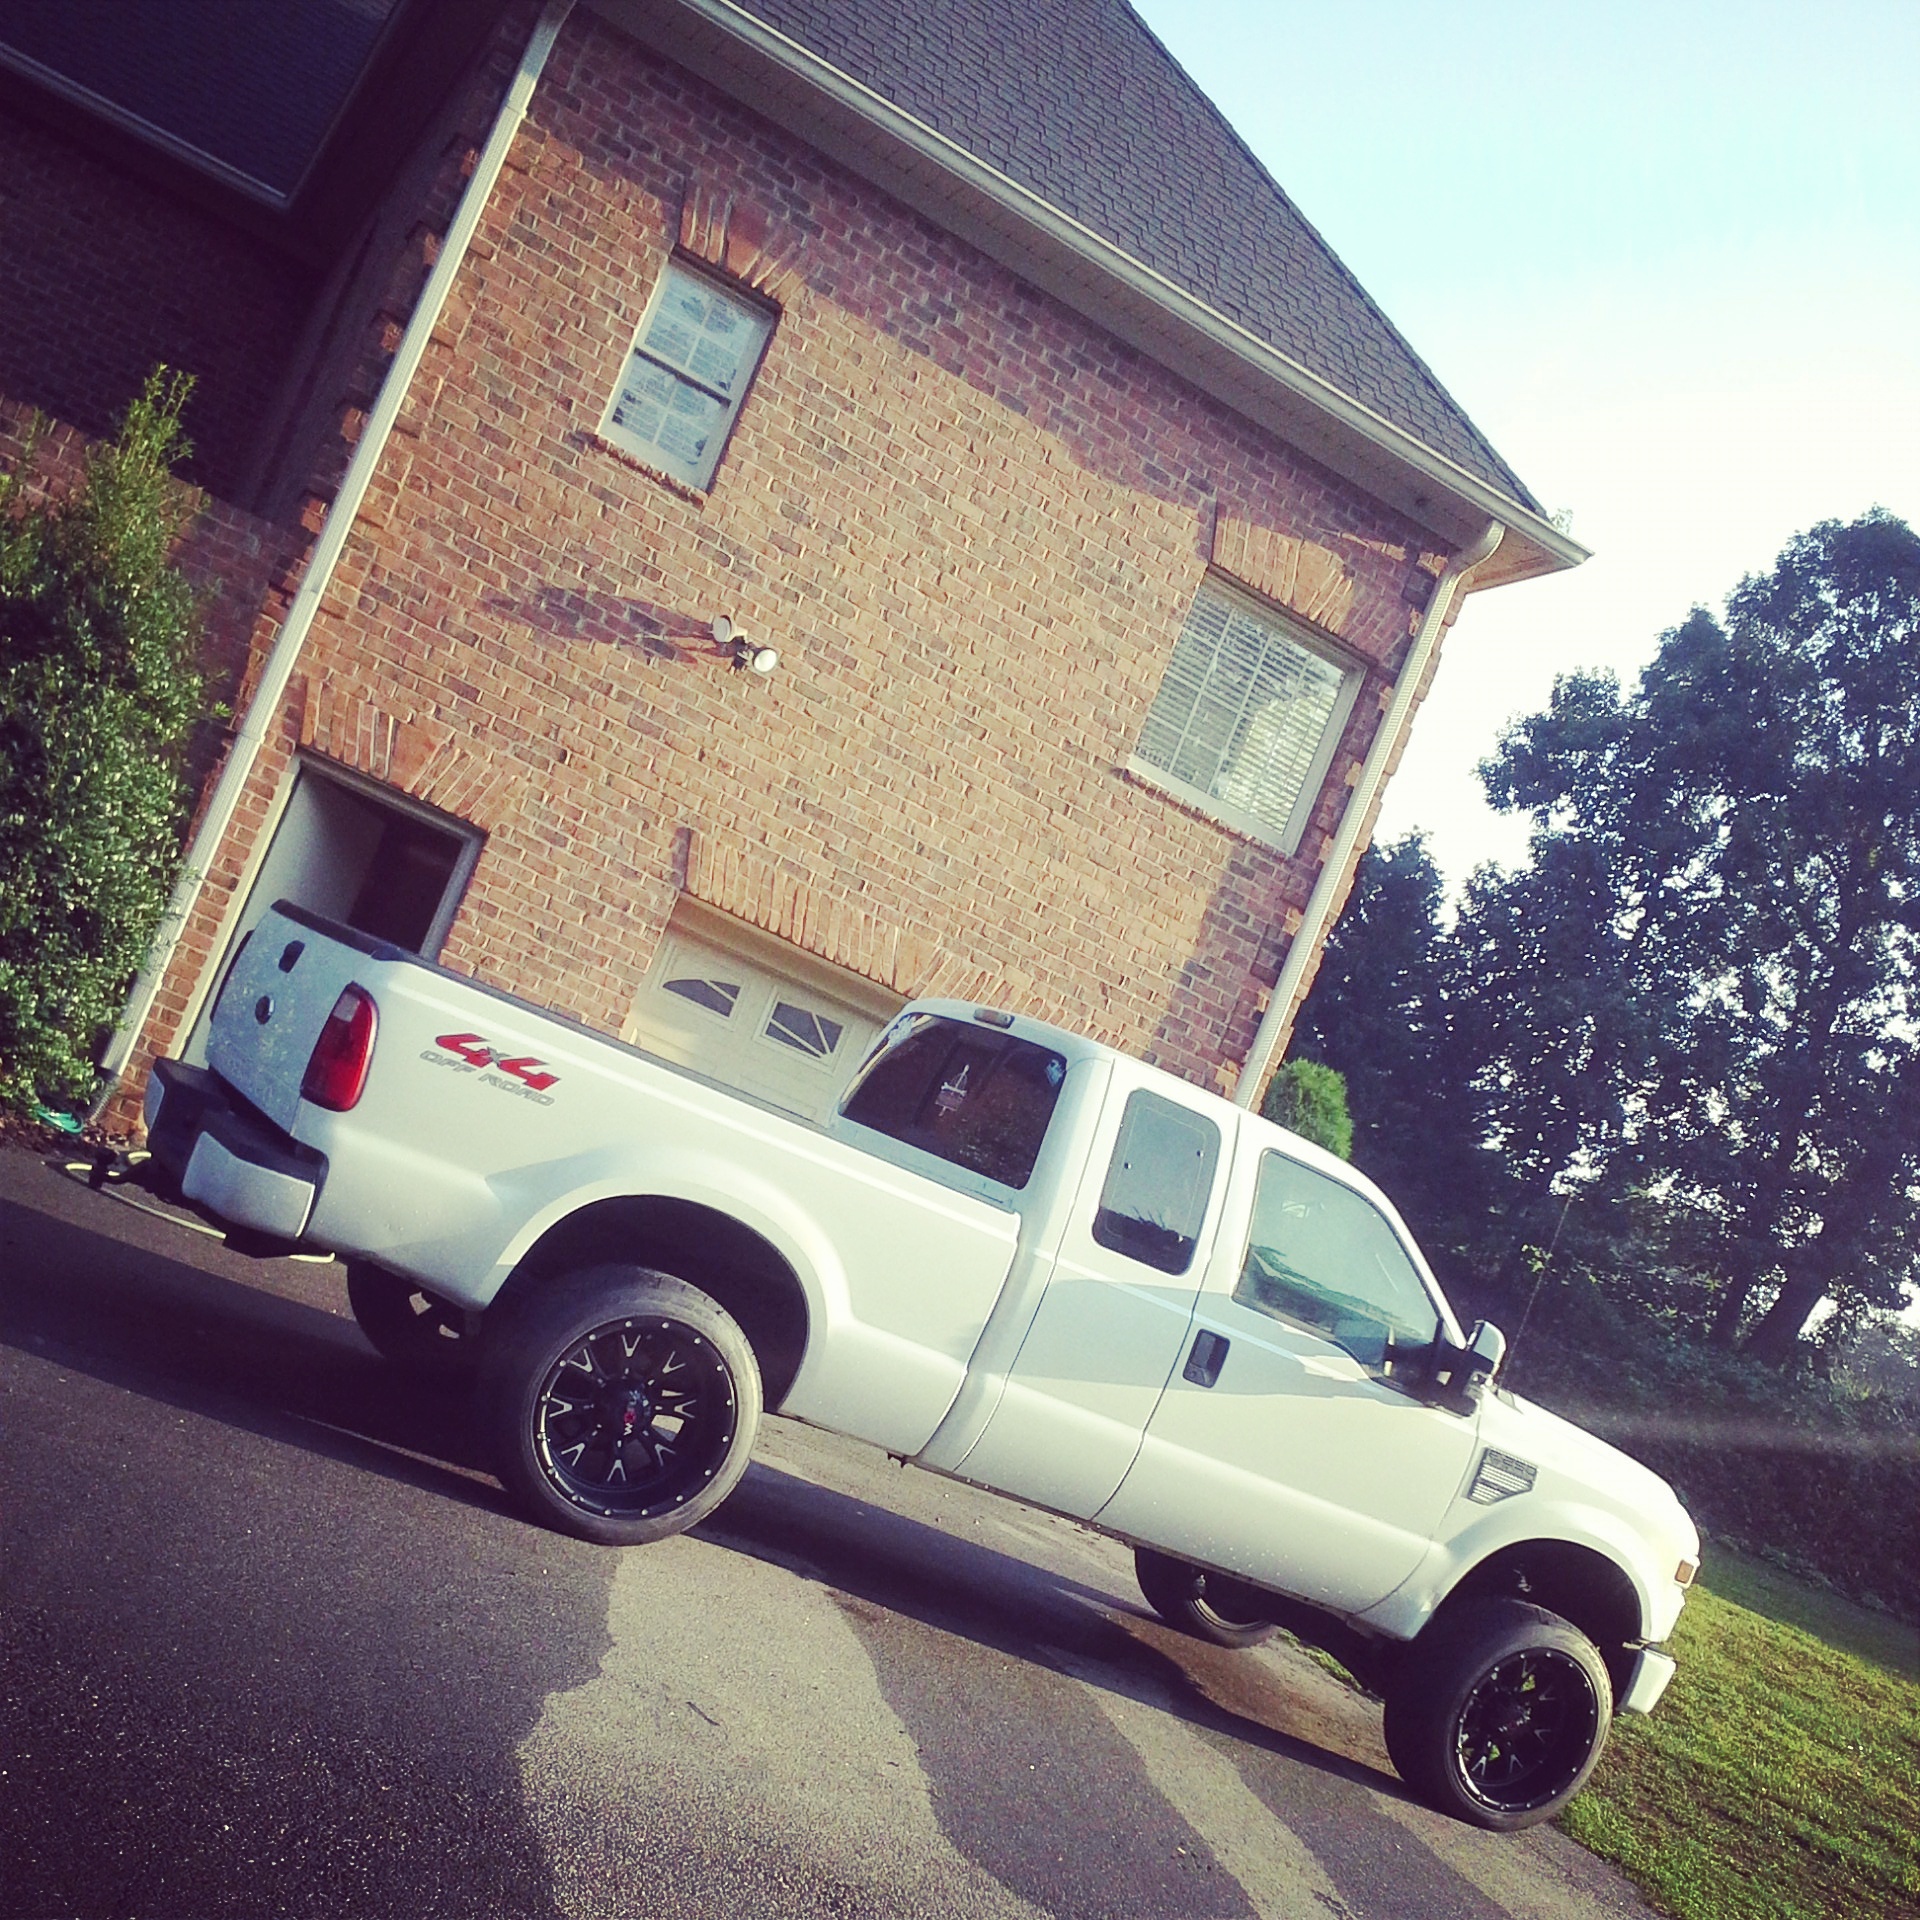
[
  {"x": 1292, "y": 1444},
  {"x": 1113, "y": 1321}
]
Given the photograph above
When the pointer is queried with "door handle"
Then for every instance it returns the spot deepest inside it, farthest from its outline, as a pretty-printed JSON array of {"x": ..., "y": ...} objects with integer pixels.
[{"x": 1209, "y": 1355}]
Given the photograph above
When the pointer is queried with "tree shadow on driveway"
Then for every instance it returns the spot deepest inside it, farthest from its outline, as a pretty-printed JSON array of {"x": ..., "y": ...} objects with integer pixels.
[{"x": 880, "y": 1561}]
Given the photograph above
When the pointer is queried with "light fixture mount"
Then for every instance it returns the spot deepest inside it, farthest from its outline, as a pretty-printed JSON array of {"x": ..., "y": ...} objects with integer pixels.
[{"x": 748, "y": 656}]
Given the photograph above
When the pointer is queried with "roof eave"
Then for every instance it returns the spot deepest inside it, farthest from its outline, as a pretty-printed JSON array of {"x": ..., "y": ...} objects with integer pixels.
[{"x": 796, "y": 88}]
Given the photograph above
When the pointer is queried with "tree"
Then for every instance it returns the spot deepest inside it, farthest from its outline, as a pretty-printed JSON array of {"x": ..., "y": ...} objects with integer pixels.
[
  {"x": 1311, "y": 1100},
  {"x": 1721, "y": 924},
  {"x": 98, "y": 691},
  {"x": 1381, "y": 1013}
]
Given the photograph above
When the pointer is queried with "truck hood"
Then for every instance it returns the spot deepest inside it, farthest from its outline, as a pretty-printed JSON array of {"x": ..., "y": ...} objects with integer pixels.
[{"x": 1578, "y": 1465}]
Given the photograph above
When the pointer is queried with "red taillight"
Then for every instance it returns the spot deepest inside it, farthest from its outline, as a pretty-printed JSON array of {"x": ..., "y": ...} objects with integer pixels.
[{"x": 337, "y": 1072}]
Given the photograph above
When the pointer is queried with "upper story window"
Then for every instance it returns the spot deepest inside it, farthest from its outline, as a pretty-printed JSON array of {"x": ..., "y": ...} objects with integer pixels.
[
  {"x": 693, "y": 360},
  {"x": 1246, "y": 719}
]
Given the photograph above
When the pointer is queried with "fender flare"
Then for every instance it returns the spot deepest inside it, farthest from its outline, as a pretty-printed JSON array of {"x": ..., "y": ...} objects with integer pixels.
[
  {"x": 1450, "y": 1560},
  {"x": 700, "y": 1179}
]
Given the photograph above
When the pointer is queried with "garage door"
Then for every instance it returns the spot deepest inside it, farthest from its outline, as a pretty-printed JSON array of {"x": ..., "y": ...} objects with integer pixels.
[{"x": 757, "y": 1013}]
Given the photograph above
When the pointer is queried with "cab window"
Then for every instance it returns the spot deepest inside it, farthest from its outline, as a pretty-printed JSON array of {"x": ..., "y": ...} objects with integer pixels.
[
  {"x": 1155, "y": 1200},
  {"x": 976, "y": 1098},
  {"x": 1324, "y": 1258}
]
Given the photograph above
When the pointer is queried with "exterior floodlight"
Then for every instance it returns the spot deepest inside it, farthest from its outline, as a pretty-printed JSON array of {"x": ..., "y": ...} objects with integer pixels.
[{"x": 748, "y": 656}]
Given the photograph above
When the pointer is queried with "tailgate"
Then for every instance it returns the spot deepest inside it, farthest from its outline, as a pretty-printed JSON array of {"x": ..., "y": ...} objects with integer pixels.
[{"x": 276, "y": 999}]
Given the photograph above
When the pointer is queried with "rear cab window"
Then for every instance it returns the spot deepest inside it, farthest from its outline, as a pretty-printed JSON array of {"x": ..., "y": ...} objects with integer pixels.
[
  {"x": 970, "y": 1096},
  {"x": 1154, "y": 1203}
]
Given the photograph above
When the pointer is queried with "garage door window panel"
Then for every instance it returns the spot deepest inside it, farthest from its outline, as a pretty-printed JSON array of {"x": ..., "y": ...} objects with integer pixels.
[
  {"x": 805, "y": 1031},
  {"x": 716, "y": 996}
]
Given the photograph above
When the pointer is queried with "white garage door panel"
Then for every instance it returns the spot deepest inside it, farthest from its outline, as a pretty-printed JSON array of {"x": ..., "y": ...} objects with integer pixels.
[{"x": 771, "y": 1025}]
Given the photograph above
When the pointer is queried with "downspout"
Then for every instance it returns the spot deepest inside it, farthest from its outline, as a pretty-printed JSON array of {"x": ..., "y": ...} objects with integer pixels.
[
  {"x": 264, "y": 708},
  {"x": 1276, "y": 1024}
]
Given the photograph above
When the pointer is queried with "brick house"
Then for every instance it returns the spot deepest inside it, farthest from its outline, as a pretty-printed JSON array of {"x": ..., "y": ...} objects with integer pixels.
[{"x": 729, "y": 516}]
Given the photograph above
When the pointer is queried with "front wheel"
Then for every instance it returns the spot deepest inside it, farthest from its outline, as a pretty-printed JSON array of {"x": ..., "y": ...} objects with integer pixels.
[
  {"x": 1203, "y": 1604},
  {"x": 1499, "y": 1714},
  {"x": 621, "y": 1404}
]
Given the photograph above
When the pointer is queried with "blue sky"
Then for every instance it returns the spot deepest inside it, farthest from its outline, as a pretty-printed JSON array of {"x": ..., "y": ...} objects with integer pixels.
[{"x": 1667, "y": 257}]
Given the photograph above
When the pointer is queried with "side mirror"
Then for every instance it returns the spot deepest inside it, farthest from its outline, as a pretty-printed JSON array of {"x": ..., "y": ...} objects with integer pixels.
[
  {"x": 1458, "y": 1371},
  {"x": 1486, "y": 1348}
]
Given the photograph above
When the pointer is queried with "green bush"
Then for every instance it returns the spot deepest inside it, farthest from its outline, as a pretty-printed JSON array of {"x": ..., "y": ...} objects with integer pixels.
[
  {"x": 99, "y": 689},
  {"x": 1311, "y": 1100}
]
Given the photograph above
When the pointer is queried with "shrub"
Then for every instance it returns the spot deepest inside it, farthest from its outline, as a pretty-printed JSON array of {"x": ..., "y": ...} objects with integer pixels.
[
  {"x": 99, "y": 689},
  {"x": 1311, "y": 1100}
]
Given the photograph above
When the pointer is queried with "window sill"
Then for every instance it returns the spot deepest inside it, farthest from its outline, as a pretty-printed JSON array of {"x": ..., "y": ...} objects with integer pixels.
[
  {"x": 1138, "y": 773},
  {"x": 695, "y": 496}
]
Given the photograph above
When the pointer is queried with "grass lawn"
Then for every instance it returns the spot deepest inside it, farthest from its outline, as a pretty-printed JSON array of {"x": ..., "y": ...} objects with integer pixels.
[{"x": 1780, "y": 1777}]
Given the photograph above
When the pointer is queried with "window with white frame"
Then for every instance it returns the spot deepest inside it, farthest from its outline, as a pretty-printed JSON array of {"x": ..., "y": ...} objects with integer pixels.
[
  {"x": 1246, "y": 719},
  {"x": 692, "y": 362}
]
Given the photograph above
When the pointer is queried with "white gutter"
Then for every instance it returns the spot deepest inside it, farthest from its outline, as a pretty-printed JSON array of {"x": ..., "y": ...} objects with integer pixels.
[
  {"x": 264, "y": 708},
  {"x": 1276, "y": 1024}
]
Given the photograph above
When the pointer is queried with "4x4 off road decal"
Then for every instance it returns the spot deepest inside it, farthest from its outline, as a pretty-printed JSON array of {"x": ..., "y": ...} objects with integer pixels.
[{"x": 472, "y": 1053}]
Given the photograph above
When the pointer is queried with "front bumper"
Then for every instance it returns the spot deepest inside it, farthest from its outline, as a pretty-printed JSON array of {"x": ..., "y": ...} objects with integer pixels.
[
  {"x": 228, "y": 1159},
  {"x": 1652, "y": 1670}
]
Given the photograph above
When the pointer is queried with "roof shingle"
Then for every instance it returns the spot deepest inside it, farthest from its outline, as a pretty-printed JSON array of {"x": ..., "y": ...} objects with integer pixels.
[{"x": 1076, "y": 101}]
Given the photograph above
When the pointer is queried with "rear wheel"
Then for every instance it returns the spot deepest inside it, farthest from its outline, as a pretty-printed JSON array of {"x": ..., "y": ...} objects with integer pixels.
[
  {"x": 621, "y": 1404},
  {"x": 1499, "y": 1714},
  {"x": 1207, "y": 1605},
  {"x": 411, "y": 1327}
]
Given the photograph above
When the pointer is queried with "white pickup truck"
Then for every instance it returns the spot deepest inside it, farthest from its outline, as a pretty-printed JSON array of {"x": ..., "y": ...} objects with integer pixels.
[{"x": 1013, "y": 1256}]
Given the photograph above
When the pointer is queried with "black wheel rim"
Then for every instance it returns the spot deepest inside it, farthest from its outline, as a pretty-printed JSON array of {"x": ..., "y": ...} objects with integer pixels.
[
  {"x": 635, "y": 1417},
  {"x": 1526, "y": 1731},
  {"x": 1208, "y": 1605}
]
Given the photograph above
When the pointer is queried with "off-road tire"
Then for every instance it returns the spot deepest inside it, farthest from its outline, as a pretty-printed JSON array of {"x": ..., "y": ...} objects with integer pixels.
[
  {"x": 620, "y": 1404},
  {"x": 1199, "y": 1603},
  {"x": 1498, "y": 1714}
]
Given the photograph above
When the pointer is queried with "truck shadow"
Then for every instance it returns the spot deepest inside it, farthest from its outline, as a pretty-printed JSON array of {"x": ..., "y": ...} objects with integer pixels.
[
  {"x": 884, "y": 1565},
  {"x": 212, "y": 1334},
  {"x": 216, "y": 1335}
]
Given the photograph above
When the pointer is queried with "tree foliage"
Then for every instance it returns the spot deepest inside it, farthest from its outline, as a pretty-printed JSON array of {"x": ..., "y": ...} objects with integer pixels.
[
  {"x": 1693, "y": 1009},
  {"x": 1728, "y": 863},
  {"x": 99, "y": 636},
  {"x": 1310, "y": 1099},
  {"x": 1381, "y": 1014}
]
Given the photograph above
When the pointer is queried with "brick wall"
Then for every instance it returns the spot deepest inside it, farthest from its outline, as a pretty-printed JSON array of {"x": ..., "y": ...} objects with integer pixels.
[
  {"x": 107, "y": 275},
  {"x": 971, "y": 524}
]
